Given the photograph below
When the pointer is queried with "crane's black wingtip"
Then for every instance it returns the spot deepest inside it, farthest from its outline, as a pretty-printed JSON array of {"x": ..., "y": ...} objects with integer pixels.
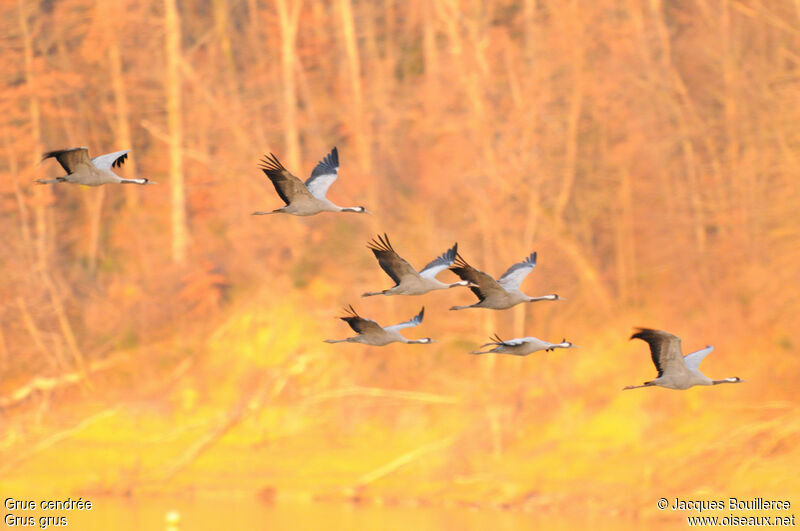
[
  {"x": 450, "y": 254},
  {"x": 120, "y": 161},
  {"x": 641, "y": 333}
]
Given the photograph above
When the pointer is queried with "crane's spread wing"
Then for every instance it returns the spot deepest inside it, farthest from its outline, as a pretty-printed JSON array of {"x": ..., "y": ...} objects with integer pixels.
[
  {"x": 693, "y": 359},
  {"x": 70, "y": 159},
  {"x": 484, "y": 284},
  {"x": 287, "y": 185},
  {"x": 359, "y": 324},
  {"x": 440, "y": 263},
  {"x": 326, "y": 171},
  {"x": 512, "y": 278},
  {"x": 392, "y": 263},
  {"x": 495, "y": 340},
  {"x": 111, "y": 160},
  {"x": 665, "y": 350},
  {"x": 414, "y": 321}
]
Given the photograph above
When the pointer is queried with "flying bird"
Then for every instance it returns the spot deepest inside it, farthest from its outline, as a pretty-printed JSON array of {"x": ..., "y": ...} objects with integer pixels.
[
  {"x": 371, "y": 333},
  {"x": 406, "y": 279},
  {"x": 90, "y": 172},
  {"x": 675, "y": 371},
  {"x": 305, "y": 199},
  {"x": 522, "y": 346},
  {"x": 502, "y": 293}
]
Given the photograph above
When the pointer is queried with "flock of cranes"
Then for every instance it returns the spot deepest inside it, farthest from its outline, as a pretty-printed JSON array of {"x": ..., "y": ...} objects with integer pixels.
[{"x": 675, "y": 371}]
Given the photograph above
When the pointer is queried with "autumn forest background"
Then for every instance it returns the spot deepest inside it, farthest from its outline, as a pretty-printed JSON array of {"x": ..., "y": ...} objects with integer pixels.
[{"x": 161, "y": 340}]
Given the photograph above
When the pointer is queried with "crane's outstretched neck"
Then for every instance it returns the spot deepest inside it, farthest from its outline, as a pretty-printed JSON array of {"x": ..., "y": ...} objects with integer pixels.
[
  {"x": 423, "y": 341},
  {"x": 372, "y": 293},
  {"x": 357, "y": 210},
  {"x": 734, "y": 379},
  {"x": 646, "y": 384},
  {"x": 565, "y": 344},
  {"x": 551, "y": 297},
  {"x": 51, "y": 181}
]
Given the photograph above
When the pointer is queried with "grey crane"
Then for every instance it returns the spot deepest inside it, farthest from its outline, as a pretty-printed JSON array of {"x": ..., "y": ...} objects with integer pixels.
[
  {"x": 522, "y": 346},
  {"x": 91, "y": 172},
  {"x": 502, "y": 293},
  {"x": 675, "y": 371},
  {"x": 406, "y": 279},
  {"x": 371, "y": 333},
  {"x": 305, "y": 199}
]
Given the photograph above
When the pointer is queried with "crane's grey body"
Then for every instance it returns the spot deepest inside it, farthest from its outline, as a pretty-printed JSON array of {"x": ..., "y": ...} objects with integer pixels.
[
  {"x": 371, "y": 333},
  {"x": 502, "y": 293},
  {"x": 675, "y": 371},
  {"x": 305, "y": 199},
  {"x": 408, "y": 281},
  {"x": 90, "y": 172},
  {"x": 521, "y": 346}
]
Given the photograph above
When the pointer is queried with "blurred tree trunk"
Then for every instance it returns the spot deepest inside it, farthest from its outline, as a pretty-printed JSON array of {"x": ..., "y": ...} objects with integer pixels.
[
  {"x": 625, "y": 244},
  {"x": 64, "y": 325},
  {"x": 354, "y": 68},
  {"x": 43, "y": 195},
  {"x": 379, "y": 73},
  {"x": 4, "y": 357},
  {"x": 738, "y": 177},
  {"x": 95, "y": 203},
  {"x": 256, "y": 42},
  {"x": 221, "y": 25},
  {"x": 682, "y": 114},
  {"x": 431, "y": 57},
  {"x": 123, "y": 129},
  {"x": 529, "y": 21},
  {"x": 573, "y": 114},
  {"x": 288, "y": 17},
  {"x": 357, "y": 120},
  {"x": 472, "y": 78},
  {"x": 173, "y": 52},
  {"x": 25, "y": 230},
  {"x": 528, "y": 107}
]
